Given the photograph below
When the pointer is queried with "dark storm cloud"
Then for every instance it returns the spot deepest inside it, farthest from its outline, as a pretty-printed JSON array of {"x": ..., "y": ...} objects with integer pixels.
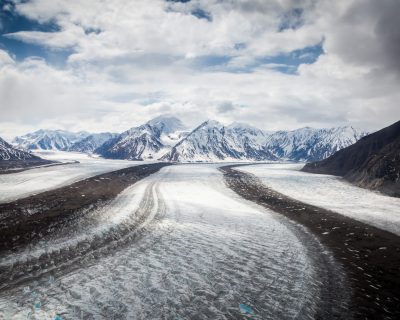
[
  {"x": 388, "y": 33},
  {"x": 373, "y": 35}
]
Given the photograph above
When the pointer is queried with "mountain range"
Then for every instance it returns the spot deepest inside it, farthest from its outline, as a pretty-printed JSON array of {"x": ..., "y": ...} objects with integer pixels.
[
  {"x": 373, "y": 162},
  {"x": 167, "y": 138},
  {"x": 49, "y": 140},
  {"x": 212, "y": 141}
]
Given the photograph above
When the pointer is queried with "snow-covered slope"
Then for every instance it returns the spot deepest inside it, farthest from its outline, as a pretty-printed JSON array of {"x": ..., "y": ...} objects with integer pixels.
[
  {"x": 148, "y": 141},
  {"x": 309, "y": 144},
  {"x": 49, "y": 140},
  {"x": 80, "y": 166},
  {"x": 8, "y": 152},
  {"x": 92, "y": 142},
  {"x": 212, "y": 141},
  {"x": 332, "y": 193}
]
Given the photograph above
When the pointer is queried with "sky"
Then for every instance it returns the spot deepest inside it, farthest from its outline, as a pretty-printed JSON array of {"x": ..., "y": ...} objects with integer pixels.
[{"x": 108, "y": 65}]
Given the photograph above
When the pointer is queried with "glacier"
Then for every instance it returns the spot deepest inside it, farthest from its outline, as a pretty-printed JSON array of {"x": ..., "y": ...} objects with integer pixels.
[
  {"x": 330, "y": 192},
  {"x": 77, "y": 166},
  {"x": 202, "y": 252}
]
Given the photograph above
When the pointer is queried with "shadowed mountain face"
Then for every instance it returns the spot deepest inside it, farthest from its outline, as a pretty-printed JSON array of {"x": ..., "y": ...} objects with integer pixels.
[
  {"x": 12, "y": 158},
  {"x": 9, "y": 153},
  {"x": 92, "y": 142},
  {"x": 373, "y": 162}
]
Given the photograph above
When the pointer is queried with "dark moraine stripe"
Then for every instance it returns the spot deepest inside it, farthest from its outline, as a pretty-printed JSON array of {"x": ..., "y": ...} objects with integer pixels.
[{"x": 370, "y": 256}]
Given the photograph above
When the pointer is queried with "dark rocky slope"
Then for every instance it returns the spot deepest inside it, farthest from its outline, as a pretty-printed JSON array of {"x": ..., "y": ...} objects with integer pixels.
[
  {"x": 12, "y": 158},
  {"x": 373, "y": 162}
]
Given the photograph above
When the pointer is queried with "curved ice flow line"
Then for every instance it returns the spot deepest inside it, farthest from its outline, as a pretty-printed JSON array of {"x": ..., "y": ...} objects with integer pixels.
[
  {"x": 135, "y": 202},
  {"x": 217, "y": 239}
]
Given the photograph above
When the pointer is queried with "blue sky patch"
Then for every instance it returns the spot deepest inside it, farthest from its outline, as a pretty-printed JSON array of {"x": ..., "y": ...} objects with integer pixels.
[
  {"x": 295, "y": 58},
  {"x": 286, "y": 63},
  {"x": 12, "y": 22}
]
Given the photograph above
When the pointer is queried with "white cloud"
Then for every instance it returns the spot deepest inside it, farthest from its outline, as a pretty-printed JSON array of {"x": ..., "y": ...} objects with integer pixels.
[
  {"x": 64, "y": 39},
  {"x": 157, "y": 26},
  {"x": 132, "y": 60},
  {"x": 5, "y": 58}
]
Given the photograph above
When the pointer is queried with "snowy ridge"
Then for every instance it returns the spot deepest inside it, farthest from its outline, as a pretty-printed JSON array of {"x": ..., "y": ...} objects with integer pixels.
[
  {"x": 372, "y": 162},
  {"x": 309, "y": 144},
  {"x": 8, "y": 152},
  {"x": 148, "y": 141},
  {"x": 167, "y": 138},
  {"x": 212, "y": 141},
  {"x": 49, "y": 140}
]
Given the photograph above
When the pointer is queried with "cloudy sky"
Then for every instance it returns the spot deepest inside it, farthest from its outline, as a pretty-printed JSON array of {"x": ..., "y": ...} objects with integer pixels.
[{"x": 108, "y": 65}]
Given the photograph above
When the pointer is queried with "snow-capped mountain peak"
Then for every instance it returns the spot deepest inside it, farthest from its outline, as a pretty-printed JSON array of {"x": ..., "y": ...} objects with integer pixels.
[
  {"x": 49, "y": 139},
  {"x": 212, "y": 141},
  {"x": 166, "y": 137},
  {"x": 166, "y": 124},
  {"x": 148, "y": 141}
]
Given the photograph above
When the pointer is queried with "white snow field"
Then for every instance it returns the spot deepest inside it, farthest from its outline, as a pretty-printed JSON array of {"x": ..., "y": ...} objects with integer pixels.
[
  {"x": 204, "y": 253},
  {"x": 330, "y": 192},
  {"x": 22, "y": 184}
]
